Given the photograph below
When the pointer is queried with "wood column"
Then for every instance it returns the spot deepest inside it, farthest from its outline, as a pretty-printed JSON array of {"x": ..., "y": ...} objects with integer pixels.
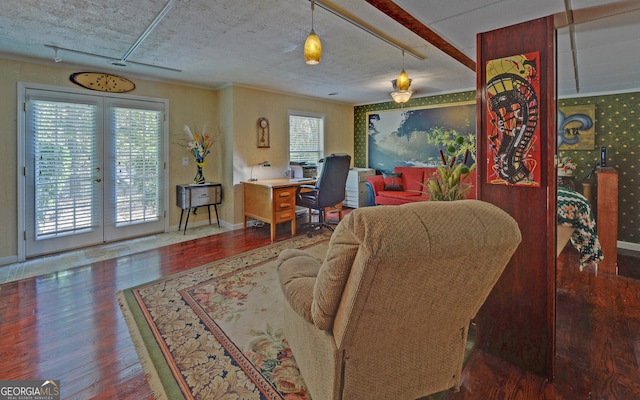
[
  {"x": 607, "y": 218},
  {"x": 517, "y": 322}
]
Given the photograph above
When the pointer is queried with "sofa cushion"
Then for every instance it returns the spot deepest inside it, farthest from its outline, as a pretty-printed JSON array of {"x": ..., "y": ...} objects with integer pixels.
[{"x": 392, "y": 181}]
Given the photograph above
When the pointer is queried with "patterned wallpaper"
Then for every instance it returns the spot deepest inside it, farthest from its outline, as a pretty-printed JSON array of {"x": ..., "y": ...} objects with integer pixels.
[{"x": 617, "y": 128}]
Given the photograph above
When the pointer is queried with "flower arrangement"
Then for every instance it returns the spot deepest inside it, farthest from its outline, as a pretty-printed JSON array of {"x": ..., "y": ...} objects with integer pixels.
[
  {"x": 446, "y": 183},
  {"x": 565, "y": 166},
  {"x": 199, "y": 144}
]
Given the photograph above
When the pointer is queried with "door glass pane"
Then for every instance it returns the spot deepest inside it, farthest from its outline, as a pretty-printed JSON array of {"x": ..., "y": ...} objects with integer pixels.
[
  {"x": 64, "y": 146},
  {"x": 138, "y": 162}
]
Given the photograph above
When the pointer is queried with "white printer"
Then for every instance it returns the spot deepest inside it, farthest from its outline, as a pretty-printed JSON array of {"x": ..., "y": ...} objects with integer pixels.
[{"x": 356, "y": 190}]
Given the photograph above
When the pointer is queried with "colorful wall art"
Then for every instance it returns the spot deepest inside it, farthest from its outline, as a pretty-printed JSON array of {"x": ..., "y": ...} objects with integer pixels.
[{"x": 513, "y": 134}]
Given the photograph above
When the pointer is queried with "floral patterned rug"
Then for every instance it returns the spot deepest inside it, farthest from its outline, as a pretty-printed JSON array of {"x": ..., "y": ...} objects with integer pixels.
[{"x": 215, "y": 332}]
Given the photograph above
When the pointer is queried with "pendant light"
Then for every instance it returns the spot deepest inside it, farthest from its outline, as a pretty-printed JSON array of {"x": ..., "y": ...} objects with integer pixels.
[
  {"x": 401, "y": 93},
  {"x": 312, "y": 46}
]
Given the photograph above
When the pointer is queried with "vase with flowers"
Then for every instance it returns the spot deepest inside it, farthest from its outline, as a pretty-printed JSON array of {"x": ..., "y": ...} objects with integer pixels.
[
  {"x": 199, "y": 145},
  {"x": 446, "y": 184}
]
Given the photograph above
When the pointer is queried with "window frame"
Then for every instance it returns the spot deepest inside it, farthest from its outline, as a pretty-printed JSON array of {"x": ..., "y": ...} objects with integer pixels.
[{"x": 322, "y": 133}]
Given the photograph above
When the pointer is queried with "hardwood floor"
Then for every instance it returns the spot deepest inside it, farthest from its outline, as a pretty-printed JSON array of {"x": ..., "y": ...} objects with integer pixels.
[{"x": 68, "y": 326}]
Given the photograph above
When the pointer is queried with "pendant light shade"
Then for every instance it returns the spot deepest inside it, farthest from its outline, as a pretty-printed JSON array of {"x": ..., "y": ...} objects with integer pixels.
[
  {"x": 312, "y": 49},
  {"x": 312, "y": 46},
  {"x": 403, "y": 82}
]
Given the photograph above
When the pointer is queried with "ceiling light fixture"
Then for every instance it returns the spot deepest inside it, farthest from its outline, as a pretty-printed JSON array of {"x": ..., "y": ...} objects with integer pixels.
[
  {"x": 312, "y": 46},
  {"x": 401, "y": 93}
]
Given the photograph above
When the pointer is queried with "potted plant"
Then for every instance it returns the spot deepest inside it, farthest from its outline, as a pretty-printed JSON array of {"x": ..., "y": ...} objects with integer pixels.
[{"x": 447, "y": 183}]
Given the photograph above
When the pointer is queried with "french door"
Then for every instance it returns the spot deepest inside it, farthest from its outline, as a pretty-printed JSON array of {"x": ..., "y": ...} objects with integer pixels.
[{"x": 93, "y": 169}]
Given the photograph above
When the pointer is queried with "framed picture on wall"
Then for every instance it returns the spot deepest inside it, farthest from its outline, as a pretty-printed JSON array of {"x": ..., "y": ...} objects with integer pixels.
[
  {"x": 415, "y": 136},
  {"x": 576, "y": 127}
]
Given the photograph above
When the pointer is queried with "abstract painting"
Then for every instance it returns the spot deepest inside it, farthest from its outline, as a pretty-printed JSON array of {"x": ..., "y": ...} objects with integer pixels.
[{"x": 513, "y": 134}]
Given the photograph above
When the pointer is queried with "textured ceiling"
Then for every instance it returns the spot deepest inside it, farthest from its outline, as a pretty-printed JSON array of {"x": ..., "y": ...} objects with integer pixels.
[{"x": 259, "y": 43}]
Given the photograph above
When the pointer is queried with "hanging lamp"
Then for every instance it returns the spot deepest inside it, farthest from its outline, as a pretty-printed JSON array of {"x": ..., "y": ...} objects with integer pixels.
[
  {"x": 401, "y": 93},
  {"x": 312, "y": 46}
]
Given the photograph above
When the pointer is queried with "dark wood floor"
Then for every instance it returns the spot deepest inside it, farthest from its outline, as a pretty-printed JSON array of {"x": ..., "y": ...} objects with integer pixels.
[{"x": 68, "y": 326}]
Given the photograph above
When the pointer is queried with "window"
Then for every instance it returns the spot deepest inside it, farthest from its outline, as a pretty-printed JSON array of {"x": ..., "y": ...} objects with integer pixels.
[{"x": 306, "y": 138}]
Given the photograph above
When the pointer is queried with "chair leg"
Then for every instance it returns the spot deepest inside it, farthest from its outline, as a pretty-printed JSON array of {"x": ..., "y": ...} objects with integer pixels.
[{"x": 316, "y": 226}]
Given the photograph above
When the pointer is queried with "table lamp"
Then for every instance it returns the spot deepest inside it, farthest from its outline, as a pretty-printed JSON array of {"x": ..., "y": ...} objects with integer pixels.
[{"x": 262, "y": 164}]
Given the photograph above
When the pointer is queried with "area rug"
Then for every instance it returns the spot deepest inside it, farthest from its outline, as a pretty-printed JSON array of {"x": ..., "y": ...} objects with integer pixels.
[{"x": 215, "y": 332}]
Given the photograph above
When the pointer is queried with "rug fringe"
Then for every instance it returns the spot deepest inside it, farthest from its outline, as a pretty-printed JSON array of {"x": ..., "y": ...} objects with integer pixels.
[{"x": 155, "y": 383}]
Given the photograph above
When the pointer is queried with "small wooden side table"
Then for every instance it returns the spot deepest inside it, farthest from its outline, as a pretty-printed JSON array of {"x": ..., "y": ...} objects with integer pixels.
[{"x": 190, "y": 197}]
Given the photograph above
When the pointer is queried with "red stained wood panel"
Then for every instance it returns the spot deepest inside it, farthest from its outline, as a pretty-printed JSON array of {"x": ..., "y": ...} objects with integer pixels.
[{"x": 517, "y": 321}]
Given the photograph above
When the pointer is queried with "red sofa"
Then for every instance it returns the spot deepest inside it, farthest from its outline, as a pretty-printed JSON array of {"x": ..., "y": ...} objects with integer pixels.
[{"x": 408, "y": 186}]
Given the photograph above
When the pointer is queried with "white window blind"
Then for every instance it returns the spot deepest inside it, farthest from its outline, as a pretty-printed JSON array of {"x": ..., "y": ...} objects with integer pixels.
[
  {"x": 138, "y": 154},
  {"x": 64, "y": 145},
  {"x": 306, "y": 138}
]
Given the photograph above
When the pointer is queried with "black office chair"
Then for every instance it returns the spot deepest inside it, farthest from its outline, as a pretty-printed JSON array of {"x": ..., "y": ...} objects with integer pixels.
[{"x": 328, "y": 191}]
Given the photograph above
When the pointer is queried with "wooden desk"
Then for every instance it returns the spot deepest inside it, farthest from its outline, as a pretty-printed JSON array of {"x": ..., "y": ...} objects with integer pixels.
[{"x": 272, "y": 201}]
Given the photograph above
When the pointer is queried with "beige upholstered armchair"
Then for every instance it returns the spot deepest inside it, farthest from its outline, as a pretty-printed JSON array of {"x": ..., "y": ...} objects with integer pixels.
[{"x": 386, "y": 315}]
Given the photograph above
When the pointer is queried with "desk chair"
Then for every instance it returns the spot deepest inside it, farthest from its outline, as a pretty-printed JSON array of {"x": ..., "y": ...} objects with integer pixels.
[{"x": 328, "y": 190}]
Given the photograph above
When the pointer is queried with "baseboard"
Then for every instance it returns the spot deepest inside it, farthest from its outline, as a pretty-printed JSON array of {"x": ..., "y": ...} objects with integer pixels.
[
  {"x": 223, "y": 224},
  {"x": 628, "y": 246},
  {"x": 8, "y": 260}
]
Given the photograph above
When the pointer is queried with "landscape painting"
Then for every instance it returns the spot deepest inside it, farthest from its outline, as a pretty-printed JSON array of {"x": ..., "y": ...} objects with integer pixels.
[{"x": 415, "y": 136}]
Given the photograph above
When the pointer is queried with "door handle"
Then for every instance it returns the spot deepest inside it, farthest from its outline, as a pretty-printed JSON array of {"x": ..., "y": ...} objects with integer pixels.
[{"x": 98, "y": 180}]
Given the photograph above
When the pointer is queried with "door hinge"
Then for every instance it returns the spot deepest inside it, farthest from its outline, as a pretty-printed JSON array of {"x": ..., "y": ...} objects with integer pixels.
[
  {"x": 24, "y": 106},
  {"x": 24, "y": 235},
  {"x": 24, "y": 171}
]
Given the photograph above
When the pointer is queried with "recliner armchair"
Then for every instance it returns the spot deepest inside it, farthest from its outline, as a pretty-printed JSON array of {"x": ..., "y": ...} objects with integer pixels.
[
  {"x": 328, "y": 190},
  {"x": 386, "y": 315}
]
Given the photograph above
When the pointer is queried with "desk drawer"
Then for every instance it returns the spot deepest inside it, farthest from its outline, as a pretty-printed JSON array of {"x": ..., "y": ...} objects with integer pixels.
[
  {"x": 283, "y": 216},
  {"x": 284, "y": 199}
]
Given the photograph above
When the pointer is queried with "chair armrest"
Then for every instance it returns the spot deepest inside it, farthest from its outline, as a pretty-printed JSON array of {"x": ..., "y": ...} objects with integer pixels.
[
  {"x": 297, "y": 272},
  {"x": 371, "y": 196},
  {"x": 377, "y": 183},
  {"x": 306, "y": 190}
]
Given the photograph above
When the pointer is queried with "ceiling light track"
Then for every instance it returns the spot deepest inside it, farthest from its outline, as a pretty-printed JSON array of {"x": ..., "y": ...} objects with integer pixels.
[
  {"x": 572, "y": 40},
  {"x": 149, "y": 29},
  {"x": 366, "y": 29},
  {"x": 108, "y": 58}
]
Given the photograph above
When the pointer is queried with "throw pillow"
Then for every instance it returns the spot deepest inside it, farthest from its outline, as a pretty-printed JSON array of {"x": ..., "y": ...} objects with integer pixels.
[{"x": 392, "y": 181}]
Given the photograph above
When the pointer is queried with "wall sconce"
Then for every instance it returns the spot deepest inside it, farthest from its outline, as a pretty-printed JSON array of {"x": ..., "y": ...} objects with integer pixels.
[
  {"x": 262, "y": 164},
  {"x": 312, "y": 46}
]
